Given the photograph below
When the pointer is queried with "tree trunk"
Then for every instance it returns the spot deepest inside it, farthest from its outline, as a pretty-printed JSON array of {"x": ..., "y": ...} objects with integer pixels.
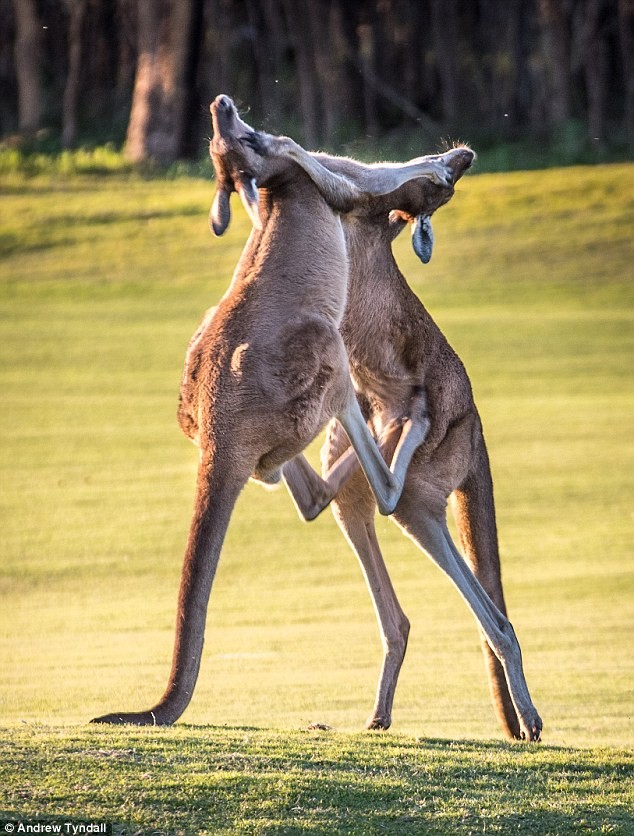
[
  {"x": 76, "y": 10},
  {"x": 296, "y": 15},
  {"x": 503, "y": 67},
  {"x": 626, "y": 27},
  {"x": 445, "y": 29},
  {"x": 366, "y": 56},
  {"x": 28, "y": 60},
  {"x": 265, "y": 20},
  {"x": 127, "y": 40},
  {"x": 410, "y": 47},
  {"x": 520, "y": 54},
  {"x": 195, "y": 118},
  {"x": 217, "y": 50},
  {"x": 595, "y": 69},
  {"x": 329, "y": 47},
  {"x": 160, "y": 98},
  {"x": 556, "y": 51}
]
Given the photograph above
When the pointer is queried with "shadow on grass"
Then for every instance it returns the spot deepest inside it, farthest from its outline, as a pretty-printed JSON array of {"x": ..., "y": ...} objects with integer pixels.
[
  {"x": 191, "y": 779},
  {"x": 53, "y": 235}
]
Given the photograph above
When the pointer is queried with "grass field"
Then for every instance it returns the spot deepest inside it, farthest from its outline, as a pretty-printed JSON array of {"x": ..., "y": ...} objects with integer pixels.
[{"x": 102, "y": 282}]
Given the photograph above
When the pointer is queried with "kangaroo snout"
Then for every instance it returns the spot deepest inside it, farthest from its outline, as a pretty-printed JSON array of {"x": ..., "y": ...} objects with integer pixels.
[
  {"x": 224, "y": 117},
  {"x": 460, "y": 160},
  {"x": 222, "y": 103}
]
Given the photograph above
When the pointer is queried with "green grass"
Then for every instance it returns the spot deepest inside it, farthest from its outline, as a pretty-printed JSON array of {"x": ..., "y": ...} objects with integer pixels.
[
  {"x": 246, "y": 780},
  {"x": 102, "y": 282}
]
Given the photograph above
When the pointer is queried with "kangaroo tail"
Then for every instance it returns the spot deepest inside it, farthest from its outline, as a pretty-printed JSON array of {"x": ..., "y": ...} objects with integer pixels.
[
  {"x": 474, "y": 512},
  {"x": 216, "y": 495}
]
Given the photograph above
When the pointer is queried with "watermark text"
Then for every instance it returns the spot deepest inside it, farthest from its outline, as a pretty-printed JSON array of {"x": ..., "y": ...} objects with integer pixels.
[{"x": 64, "y": 828}]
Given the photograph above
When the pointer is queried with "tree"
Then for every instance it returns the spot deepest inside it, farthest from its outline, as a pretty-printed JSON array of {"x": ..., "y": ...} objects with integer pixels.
[
  {"x": 76, "y": 11},
  {"x": 28, "y": 61},
  {"x": 594, "y": 57},
  {"x": 444, "y": 26},
  {"x": 324, "y": 70},
  {"x": 556, "y": 52},
  {"x": 626, "y": 27},
  {"x": 161, "y": 96},
  {"x": 296, "y": 13}
]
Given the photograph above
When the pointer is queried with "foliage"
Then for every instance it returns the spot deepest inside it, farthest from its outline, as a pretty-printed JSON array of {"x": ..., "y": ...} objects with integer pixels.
[
  {"x": 103, "y": 281},
  {"x": 31, "y": 163},
  {"x": 33, "y": 160},
  {"x": 325, "y": 72}
]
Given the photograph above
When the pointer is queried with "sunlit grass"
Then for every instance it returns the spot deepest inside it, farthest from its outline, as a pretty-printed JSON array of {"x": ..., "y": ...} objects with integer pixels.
[
  {"x": 101, "y": 284},
  {"x": 245, "y": 780}
]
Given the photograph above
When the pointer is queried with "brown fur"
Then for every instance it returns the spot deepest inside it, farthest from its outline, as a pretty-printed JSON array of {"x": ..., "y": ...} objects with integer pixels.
[
  {"x": 267, "y": 368},
  {"x": 394, "y": 345}
]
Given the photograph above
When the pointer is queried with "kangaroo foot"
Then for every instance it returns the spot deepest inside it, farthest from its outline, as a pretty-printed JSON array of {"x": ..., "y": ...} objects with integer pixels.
[
  {"x": 141, "y": 718},
  {"x": 378, "y": 723},
  {"x": 531, "y": 728}
]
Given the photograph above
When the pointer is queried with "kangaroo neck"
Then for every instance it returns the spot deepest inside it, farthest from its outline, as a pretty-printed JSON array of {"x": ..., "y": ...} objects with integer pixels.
[
  {"x": 374, "y": 279},
  {"x": 386, "y": 329},
  {"x": 296, "y": 263}
]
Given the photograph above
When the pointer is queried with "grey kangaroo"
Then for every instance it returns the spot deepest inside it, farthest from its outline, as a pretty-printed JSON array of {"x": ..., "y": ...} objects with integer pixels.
[
  {"x": 267, "y": 368},
  {"x": 394, "y": 346}
]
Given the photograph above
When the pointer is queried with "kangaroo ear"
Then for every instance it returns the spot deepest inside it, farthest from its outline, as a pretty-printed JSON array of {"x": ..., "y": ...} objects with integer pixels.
[
  {"x": 422, "y": 237},
  {"x": 220, "y": 212},
  {"x": 248, "y": 192}
]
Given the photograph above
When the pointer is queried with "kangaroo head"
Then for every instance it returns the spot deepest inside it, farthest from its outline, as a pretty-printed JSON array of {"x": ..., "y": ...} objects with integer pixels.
[
  {"x": 238, "y": 153},
  {"x": 417, "y": 200},
  {"x": 236, "y": 166}
]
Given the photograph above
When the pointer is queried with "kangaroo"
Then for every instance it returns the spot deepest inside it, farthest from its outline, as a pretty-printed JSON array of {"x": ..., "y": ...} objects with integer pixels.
[
  {"x": 394, "y": 346},
  {"x": 267, "y": 368}
]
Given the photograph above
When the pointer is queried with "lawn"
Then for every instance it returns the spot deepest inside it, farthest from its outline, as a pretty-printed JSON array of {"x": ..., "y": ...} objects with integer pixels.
[{"x": 102, "y": 281}]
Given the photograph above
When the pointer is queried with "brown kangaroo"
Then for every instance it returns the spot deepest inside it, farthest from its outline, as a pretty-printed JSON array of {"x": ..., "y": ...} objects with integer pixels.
[
  {"x": 394, "y": 346},
  {"x": 267, "y": 369}
]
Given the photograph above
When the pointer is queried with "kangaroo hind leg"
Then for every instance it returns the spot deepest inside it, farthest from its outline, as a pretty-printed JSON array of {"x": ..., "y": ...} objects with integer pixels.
[
  {"x": 393, "y": 623},
  {"x": 474, "y": 513},
  {"x": 354, "y": 509},
  {"x": 311, "y": 493},
  {"x": 431, "y": 533},
  {"x": 218, "y": 488},
  {"x": 386, "y": 483}
]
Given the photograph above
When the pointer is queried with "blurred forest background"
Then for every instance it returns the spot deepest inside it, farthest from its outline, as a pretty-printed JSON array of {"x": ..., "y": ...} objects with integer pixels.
[{"x": 554, "y": 76}]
